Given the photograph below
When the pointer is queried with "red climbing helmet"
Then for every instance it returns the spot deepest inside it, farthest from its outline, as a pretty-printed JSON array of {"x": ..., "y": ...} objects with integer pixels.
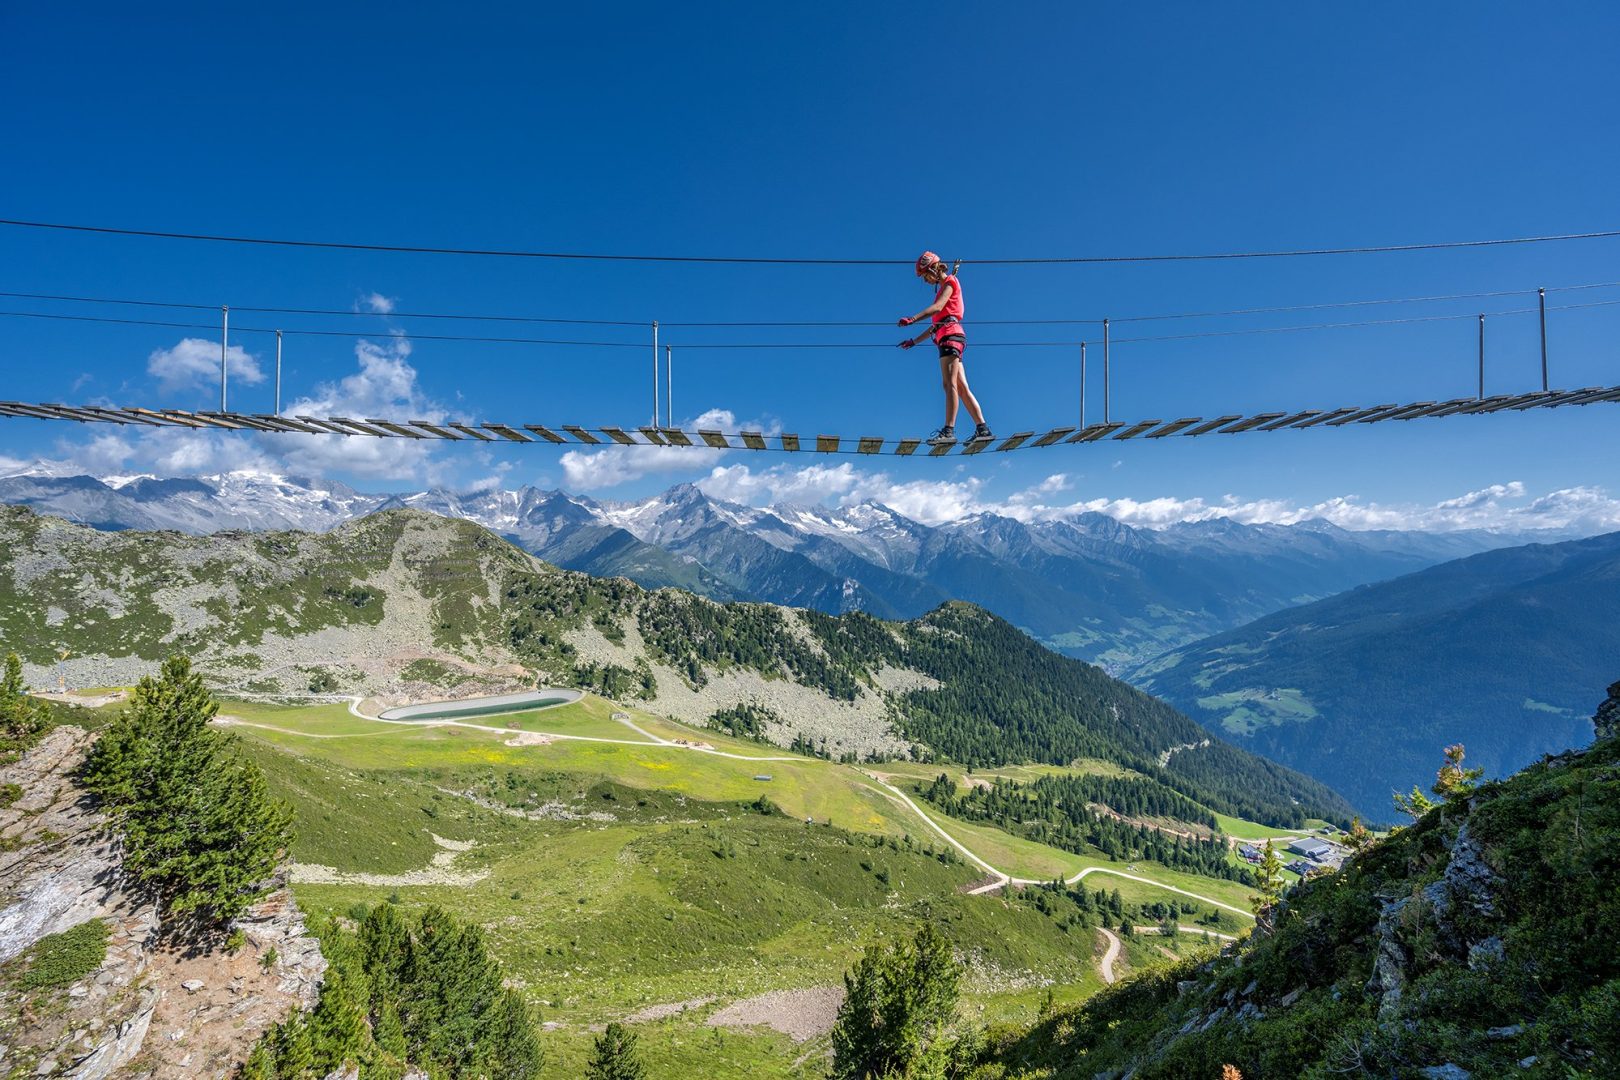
[{"x": 925, "y": 260}]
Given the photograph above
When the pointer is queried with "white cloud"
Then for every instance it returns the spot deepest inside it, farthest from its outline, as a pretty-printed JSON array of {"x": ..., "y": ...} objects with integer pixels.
[
  {"x": 810, "y": 484},
  {"x": 385, "y": 385},
  {"x": 1505, "y": 507},
  {"x": 593, "y": 470},
  {"x": 378, "y": 304},
  {"x": 194, "y": 363}
]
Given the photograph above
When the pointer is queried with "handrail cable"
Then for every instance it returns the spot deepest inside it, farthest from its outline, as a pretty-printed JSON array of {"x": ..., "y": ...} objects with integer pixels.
[
  {"x": 802, "y": 345},
  {"x": 714, "y": 259},
  {"x": 462, "y": 316}
]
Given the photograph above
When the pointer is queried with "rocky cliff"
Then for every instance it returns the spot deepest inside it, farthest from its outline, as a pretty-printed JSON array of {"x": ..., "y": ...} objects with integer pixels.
[{"x": 155, "y": 1005}]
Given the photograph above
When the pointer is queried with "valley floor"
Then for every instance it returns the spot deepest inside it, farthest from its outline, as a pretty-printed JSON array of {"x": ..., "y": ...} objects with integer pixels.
[{"x": 622, "y": 868}]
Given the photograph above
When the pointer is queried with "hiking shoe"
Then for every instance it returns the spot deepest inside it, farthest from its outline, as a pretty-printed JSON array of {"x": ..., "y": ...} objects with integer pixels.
[
  {"x": 945, "y": 436},
  {"x": 981, "y": 433}
]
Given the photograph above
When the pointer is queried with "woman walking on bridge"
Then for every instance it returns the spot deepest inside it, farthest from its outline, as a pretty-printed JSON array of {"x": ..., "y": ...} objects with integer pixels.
[{"x": 946, "y": 329}]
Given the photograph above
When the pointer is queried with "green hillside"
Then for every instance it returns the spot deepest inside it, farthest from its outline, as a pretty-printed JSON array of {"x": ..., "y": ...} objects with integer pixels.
[
  {"x": 406, "y": 604},
  {"x": 1501, "y": 652},
  {"x": 616, "y": 878},
  {"x": 1478, "y": 942}
]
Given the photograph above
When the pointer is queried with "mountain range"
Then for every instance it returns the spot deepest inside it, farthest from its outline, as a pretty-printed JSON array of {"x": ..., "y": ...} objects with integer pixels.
[
  {"x": 1504, "y": 651},
  {"x": 1084, "y": 584},
  {"x": 403, "y": 603}
]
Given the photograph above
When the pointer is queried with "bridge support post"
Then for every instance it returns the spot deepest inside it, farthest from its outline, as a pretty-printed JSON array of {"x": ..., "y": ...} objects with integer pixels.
[
  {"x": 1082, "y": 386},
  {"x": 278, "y": 372},
  {"x": 655, "y": 373},
  {"x": 1482, "y": 357},
  {"x": 1541, "y": 302},
  {"x": 224, "y": 347},
  {"x": 1108, "y": 385},
  {"x": 669, "y": 375}
]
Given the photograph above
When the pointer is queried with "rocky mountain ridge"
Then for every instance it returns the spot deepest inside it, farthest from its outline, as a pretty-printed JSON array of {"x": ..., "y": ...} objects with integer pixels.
[
  {"x": 1084, "y": 584},
  {"x": 409, "y": 603}
]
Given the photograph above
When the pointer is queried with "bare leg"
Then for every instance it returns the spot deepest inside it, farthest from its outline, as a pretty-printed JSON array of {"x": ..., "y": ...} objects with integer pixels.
[
  {"x": 965, "y": 394},
  {"x": 947, "y": 372}
]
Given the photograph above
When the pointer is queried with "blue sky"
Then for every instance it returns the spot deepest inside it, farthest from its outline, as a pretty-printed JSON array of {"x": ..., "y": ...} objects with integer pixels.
[{"x": 838, "y": 132}]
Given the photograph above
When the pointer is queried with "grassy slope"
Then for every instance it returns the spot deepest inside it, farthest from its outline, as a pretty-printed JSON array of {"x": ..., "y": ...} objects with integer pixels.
[
  {"x": 1547, "y": 836},
  {"x": 685, "y": 892}
]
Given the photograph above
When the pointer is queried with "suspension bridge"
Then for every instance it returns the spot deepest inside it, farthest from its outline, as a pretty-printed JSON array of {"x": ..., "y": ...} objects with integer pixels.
[
  {"x": 663, "y": 432},
  {"x": 784, "y": 442}
]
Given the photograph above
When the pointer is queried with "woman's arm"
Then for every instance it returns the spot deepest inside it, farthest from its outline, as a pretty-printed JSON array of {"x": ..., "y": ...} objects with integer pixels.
[{"x": 932, "y": 309}]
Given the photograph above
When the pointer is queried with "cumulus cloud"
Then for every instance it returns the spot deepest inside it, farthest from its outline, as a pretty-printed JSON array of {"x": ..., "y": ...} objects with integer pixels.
[
  {"x": 386, "y": 385},
  {"x": 383, "y": 384},
  {"x": 194, "y": 363},
  {"x": 378, "y": 304},
  {"x": 594, "y": 470}
]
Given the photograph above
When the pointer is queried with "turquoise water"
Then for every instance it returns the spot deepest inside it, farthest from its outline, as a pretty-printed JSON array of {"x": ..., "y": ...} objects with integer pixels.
[{"x": 502, "y": 705}]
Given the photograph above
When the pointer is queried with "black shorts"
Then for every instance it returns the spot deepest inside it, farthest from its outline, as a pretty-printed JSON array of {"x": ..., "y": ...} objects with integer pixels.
[{"x": 952, "y": 345}]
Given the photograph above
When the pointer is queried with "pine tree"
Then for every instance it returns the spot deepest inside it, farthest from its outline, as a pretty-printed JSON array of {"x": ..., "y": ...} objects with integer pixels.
[
  {"x": 1271, "y": 882},
  {"x": 899, "y": 1001},
  {"x": 614, "y": 1056},
  {"x": 385, "y": 954},
  {"x": 21, "y": 716},
  {"x": 1453, "y": 781},
  {"x": 198, "y": 823},
  {"x": 337, "y": 1026},
  {"x": 1414, "y": 805}
]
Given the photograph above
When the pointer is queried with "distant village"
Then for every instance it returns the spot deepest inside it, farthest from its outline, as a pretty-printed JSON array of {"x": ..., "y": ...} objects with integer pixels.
[{"x": 1311, "y": 853}]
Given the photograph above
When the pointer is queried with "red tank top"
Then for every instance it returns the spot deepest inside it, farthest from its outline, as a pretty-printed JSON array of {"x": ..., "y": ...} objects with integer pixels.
[{"x": 953, "y": 306}]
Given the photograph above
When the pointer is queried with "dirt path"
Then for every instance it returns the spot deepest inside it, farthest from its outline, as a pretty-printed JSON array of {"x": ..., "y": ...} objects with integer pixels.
[
  {"x": 1185, "y": 929},
  {"x": 1004, "y": 879},
  {"x": 1110, "y": 956}
]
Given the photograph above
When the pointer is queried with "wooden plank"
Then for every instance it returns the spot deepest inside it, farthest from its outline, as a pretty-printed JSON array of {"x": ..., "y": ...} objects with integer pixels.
[
  {"x": 397, "y": 429},
  {"x": 942, "y": 449},
  {"x": 1210, "y": 425},
  {"x": 677, "y": 437},
  {"x": 826, "y": 444},
  {"x": 1013, "y": 442},
  {"x": 436, "y": 429},
  {"x": 315, "y": 422},
  {"x": 286, "y": 424},
  {"x": 1251, "y": 423},
  {"x": 1289, "y": 420},
  {"x": 1356, "y": 414},
  {"x": 546, "y": 433},
  {"x": 870, "y": 444},
  {"x": 974, "y": 446},
  {"x": 1055, "y": 435},
  {"x": 582, "y": 435},
  {"x": 32, "y": 412},
  {"x": 1095, "y": 432},
  {"x": 359, "y": 426},
  {"x": 715, "y": 439},
  {"x": 68, "y": 412},
  {"x": 790, "y": 443},
  {"x": 160, "y": 418},
  {"x": 754, "y": 440},
  {"x": 620, "y": 436},
  {"x": 509, "y": 433},
  {"x": 1325, "y": 418},
  {"x": 907, "y": 447},
  {"x": 474, "y": 432},
  {"x": 1137, "y": 429},
  {"x": 1174, "y": 426}
]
